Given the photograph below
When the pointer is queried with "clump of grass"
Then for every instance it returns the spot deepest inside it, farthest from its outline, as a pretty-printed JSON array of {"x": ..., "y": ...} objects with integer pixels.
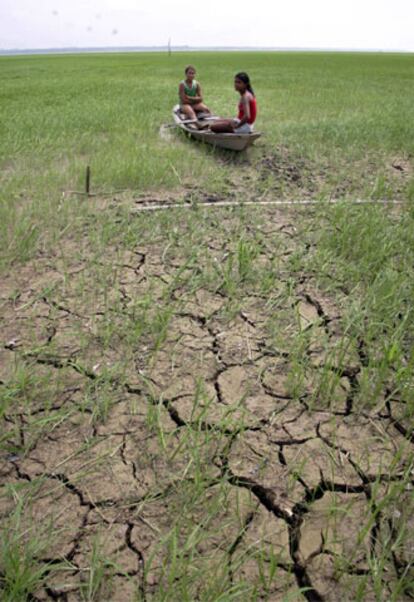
[
  {"x": 97, "y": 577},
  {"x": 21, "y": 571}
]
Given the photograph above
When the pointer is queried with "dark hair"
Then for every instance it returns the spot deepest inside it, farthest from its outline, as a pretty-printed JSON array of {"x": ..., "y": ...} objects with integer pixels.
[
  {"x": 243, "y": 77},
  {"x": 187, "y": 69}
]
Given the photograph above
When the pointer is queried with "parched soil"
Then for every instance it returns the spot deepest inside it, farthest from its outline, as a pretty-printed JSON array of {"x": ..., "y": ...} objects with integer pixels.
[{"x": 177, "y": 422}]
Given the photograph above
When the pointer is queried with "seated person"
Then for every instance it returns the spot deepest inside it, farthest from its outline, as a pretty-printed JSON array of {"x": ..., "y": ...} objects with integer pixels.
[
  {"x": 244, "y": 123},
  {"x": 191, "y": 98}
]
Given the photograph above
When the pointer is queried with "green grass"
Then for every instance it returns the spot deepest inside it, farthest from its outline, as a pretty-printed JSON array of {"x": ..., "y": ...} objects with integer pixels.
[
  {"x": 206, "y": 404},
  {"x": 350, "y": 114}
]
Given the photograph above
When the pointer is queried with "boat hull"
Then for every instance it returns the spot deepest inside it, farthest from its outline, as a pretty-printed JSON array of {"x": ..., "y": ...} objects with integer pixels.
[{"x": 235, "y": 142}]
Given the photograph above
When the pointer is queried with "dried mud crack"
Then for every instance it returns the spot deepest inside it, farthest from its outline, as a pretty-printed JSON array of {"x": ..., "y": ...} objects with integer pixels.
[{"x": 190, "y": 415}]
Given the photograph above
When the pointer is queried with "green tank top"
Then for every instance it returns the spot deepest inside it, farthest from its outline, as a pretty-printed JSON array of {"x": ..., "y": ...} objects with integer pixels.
[{"x": 190, "y": 91}]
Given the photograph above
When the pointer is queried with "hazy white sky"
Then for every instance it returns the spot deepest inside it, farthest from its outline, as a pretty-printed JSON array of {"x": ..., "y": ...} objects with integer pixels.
[{"x": 378, "y": 24}]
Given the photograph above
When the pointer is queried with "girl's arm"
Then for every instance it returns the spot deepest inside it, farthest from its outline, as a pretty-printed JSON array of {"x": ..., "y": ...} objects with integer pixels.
[
  {"x": 183, "y": 96},
  {"x": 199, "y": 96},
  {"x": 187, "y": 100}
]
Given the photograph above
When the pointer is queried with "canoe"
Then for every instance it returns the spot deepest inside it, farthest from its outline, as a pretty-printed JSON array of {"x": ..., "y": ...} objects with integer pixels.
[{"x": 236, "y": 142}]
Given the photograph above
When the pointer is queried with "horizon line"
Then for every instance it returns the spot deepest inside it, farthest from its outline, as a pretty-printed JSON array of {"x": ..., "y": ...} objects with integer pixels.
[{"x": 187, "y": 48}]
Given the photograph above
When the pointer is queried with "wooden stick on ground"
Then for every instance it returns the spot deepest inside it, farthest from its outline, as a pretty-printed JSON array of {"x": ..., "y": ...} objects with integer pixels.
[
  {"x": 164, "y": 206},
  {"x": 88, "y": 180}
]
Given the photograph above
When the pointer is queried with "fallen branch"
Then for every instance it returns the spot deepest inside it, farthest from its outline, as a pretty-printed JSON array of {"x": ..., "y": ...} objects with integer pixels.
[{"x": 164, "y": 206}]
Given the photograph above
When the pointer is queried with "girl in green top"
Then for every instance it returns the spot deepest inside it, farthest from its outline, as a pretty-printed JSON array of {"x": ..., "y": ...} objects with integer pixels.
[{"x": 191, "y": 99}]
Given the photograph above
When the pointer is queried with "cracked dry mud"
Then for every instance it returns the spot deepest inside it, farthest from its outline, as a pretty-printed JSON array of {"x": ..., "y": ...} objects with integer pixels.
[{"x": 164, "y": 428}]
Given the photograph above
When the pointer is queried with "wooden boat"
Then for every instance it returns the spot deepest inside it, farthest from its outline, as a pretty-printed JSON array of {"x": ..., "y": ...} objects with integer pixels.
[{"x": 236, "y": 142}]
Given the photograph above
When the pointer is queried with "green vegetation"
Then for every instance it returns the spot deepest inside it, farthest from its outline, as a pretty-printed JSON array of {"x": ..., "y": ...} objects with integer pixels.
[
  {"x": 348, "y": 116},
  {"x": 206, "y": 403}
]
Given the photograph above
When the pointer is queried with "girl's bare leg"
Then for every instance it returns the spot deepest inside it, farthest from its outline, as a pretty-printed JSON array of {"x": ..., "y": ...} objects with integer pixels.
[
  {"x": 200, "y": 107},
  {"x": 188, "y": 112},
  {"x": 223, "y": 126}
]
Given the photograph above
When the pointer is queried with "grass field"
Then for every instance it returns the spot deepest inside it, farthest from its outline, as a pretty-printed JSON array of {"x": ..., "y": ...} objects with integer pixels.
[{"x": 206, "y": 403}]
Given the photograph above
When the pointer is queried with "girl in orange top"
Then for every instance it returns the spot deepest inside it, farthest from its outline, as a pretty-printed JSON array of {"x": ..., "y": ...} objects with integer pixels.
[{"x": 244, "y": 122}]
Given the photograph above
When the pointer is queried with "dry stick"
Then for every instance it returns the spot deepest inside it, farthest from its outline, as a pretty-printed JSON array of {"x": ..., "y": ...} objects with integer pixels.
[
  {"x": 249, "y": 347},
  {"x": 88, "y": 180},
  {"x": 262, "y": 204}
]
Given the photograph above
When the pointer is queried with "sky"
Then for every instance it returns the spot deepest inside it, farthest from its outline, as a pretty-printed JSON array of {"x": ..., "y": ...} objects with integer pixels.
[{"x": 343, "y": 24}]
